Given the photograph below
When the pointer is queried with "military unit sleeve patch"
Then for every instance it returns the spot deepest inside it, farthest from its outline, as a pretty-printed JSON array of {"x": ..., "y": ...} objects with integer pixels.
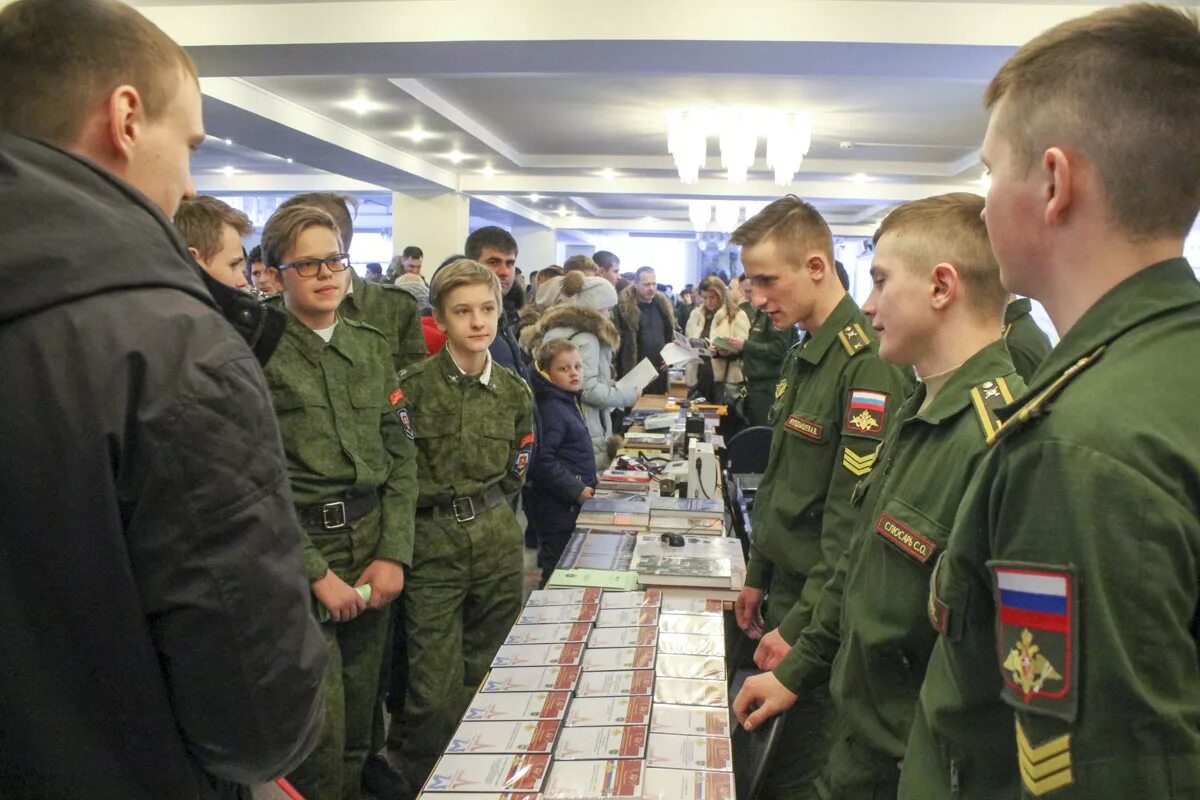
[
  {"x": 987, "y": 397},
  {"x": 396, "y": 396},
  {"x": 866, "y": 413},
  {"x": 1044, "y": 767},
  {"x": 904, "y": 538},
  {"x": 405, "y": 420},
  {"x": 526, "y": 441},
  {"x": 521, "y": 463},
  {"x": 1036, "y": 638},
  {"x": 854, "y": 338}
]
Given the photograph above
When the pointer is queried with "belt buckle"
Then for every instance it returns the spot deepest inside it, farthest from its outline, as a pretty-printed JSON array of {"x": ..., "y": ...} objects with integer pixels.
[
  {"x": 460, "y": 516},
  {"x": 333, "y": 515}
]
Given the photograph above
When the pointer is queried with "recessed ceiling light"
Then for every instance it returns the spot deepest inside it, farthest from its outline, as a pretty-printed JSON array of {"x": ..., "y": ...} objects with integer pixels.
[
  {"x": 649, "y": 219},
  {"x": 229, "y": 141},
  {"x": 360, "y": 105},
  {"x": 608, "y": 173},
  {"x": 533, "y": 198},
  {"x": 228, "y": 170},
  {"x": 488, "y": 171},
  {"x": 860, "y": 177},
  {"x": 562, "y": 211},
  {"x": 456, "y": 156},
  {"x": 290, "y": 160},
  {"x": 417, "y": 135}
]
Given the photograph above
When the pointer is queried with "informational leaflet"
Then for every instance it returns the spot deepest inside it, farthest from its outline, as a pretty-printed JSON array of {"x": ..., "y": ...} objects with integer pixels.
[
  {"x": 647, "y": 599},
  {"x": 594, "y": 780},
  {"x": 689, "y": 752},
  {"x": 612, "y": 684},
  {"x": 564, "y": 597},
  {"x": 530, "y": 679},
  {"x": 586, "y": 712},
  {"x": 691, "y": 623},
  {"x": 675, "y": 666},
  {"x": 689, "y": 720},
  {"x": 504, "y": 737},
  {"x": 538, "y": 655},
  {"x": 626, "y": 617},
  {"x": 553, "y": 615},
  {"x": 610, "y": 658},
  {"x": 641, "y": 376},
  {"x": 673, "y": 784},
  {"x": 613, "y": 741},
  {"x": 488, "y": 773},
  {"x": 517, "y": 706},
  {"x": 687, "y": 644},
  {"x": 687, "y": 691},
  {"x": 549, "y": 634},
  {"x": 623, "y": 637},
  {"x": 692, "y": 605}
]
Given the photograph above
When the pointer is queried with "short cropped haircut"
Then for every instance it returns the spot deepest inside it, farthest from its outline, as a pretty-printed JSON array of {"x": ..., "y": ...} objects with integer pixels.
[
  {"x": 1123, "y": 86},
  {"x": 795, "y": 226},
  {"x": 580, "y": 263},
  {"x": 59, "y": 60},
  {"x": 285, "y": 226},
  {"x": 412, "y": 251},
  {"x": 201, "y": 222},
  {"x": 463, "y": 272},
  {"x": 605, "y": 259},
  {"x": 550, "y": 350},
  {"x": 947, "y": 229},
  {"x": 255, "y": 254},
  {"x": 337, "y": 206},
  {"x": 491, "y": 237},
  {"x": 642, "y": 271}
]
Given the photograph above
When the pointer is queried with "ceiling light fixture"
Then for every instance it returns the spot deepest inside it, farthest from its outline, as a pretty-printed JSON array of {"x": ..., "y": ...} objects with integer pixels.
[
  {"x": 361, "y": 105},
  {"x": 229, "y": 141},
  {"x": 291, "y": 160},
  {"x": 788, "y": 136},
  {"x": 228, "y": 170},
  {"x": 649, "y": 219},
  {"x": 417, "y": 135},
  {"x": 533, "y": 198},
  {"x": 488, "y": 171},
  {"x": 860, "y": 177},
  {"x": 608, "y": 173},
  {"x": 721, "y": 216},
  {"x": 700, "y": 213},
  {"x": 562, "y": 211},
  {"x": 456, "y": 156}
]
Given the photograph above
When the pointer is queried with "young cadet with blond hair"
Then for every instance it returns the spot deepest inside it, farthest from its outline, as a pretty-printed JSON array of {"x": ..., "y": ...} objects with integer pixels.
[
  {"x": 834, "y": 401},
  {"x": 1066, "y": 599},
  {"x": 473, "y": 420},
  {"x": 349, "y": 445},
  {"x": 213, "y": 232},
  {"x": 936, "y": 306}
]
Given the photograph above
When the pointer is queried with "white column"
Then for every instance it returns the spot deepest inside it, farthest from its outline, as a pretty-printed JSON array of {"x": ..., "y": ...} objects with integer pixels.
[
  {"x": 536, "y": 246},
  {"x": 436, "y": 222}
]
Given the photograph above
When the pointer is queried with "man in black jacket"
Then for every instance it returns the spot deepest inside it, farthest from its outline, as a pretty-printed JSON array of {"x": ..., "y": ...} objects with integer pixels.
[{"x": 158, "y": 639}]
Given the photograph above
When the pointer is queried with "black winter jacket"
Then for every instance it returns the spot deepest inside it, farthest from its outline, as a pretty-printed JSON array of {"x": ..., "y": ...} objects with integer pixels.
[
  {"x": 156, "y": 639},
  {"x": 565, "y": 462}
]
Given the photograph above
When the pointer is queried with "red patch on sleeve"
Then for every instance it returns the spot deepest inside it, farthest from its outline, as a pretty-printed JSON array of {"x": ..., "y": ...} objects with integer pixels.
[
  {"x": 396, "y": 396},
  {"x": 526, "y": 440}
]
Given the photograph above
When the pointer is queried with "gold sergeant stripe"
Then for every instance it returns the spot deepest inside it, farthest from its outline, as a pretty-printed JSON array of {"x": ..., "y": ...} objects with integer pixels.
[
  {"x": 856, "y": 464},
  {"x": 1046, "y": 767}
]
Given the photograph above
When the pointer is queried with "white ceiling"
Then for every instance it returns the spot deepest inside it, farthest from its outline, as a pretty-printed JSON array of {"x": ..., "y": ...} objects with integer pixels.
[{"x": 549, "y": 93}]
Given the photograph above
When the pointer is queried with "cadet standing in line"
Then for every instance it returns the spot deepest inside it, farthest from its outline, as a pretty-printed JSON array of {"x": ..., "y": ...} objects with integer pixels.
[
  {"x": 936, "y": 306},
  {"x": 1027, "y": 343},
  {"x": 1066, "y": 600},
  {"x": 474, "y": 430},
  {"x": 763, "y": 354},
  {"x": 352, "y": 466},
  {"x": 833, "y": 403}
]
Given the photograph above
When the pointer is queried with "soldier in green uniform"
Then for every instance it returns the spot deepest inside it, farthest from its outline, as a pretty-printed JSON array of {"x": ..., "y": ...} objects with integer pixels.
[
  {"x": 936, "y": 305},
  {"x": 832, "y": 405},
  {"x": 352, "y": 467},
  {"x": 1066, "y": 599},
  {"x": 474, "y": 431},
  {"x": 1027, "y": 343},
  {"x": 763, "y": 354}
]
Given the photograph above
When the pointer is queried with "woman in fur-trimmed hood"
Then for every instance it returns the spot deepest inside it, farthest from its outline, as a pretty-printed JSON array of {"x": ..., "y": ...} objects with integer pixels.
[{"x": 580, "y": 314}]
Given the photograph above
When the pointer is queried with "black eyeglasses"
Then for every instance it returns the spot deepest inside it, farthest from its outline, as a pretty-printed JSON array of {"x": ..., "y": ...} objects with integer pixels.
[{"x": 309, "y": 267}]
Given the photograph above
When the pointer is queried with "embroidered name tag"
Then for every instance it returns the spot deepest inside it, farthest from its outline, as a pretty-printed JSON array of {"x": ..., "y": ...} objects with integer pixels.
[
  {"x": 805, "y": 427},
  {"x": 905, "y": 538}
]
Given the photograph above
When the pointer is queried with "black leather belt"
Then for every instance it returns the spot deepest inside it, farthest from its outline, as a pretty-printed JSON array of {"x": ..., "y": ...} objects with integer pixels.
[
  {"x": 338, "y": 514},
  {"x": 465, "y": 509}
]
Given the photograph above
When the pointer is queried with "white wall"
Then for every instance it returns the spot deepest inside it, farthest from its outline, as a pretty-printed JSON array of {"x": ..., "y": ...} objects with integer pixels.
[{"x": 675, "y": 261}]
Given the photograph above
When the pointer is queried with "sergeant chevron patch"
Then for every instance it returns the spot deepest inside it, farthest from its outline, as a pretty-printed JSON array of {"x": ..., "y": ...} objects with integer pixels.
[
  {"x": 1046, "y": 767},
  {"x": 856, "y": 464}
]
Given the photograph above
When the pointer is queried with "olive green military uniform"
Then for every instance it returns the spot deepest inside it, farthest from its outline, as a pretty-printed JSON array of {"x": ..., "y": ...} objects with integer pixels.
[
  {"x": 833, "y": 404},
  {"x": 874, "y": 606},
  {"x": 1066, "y": 600},
  {"x": 474, "y": 441},
  {"x": 762, "y": 359},
  {"x": 349, "y": 448},
  {"x": 392, "y": 311},
  {"x": 1027, "y": 343}
]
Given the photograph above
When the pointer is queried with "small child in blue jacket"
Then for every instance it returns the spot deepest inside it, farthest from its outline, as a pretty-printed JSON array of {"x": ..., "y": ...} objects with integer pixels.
[{"x": 564, "y": 473}]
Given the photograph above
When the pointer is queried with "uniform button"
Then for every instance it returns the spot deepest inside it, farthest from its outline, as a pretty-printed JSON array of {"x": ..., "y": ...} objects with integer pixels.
[{"x": 245, "y": 315}]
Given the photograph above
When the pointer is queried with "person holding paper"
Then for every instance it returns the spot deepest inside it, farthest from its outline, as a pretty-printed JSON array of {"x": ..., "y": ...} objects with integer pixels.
[
  {"x": 718, "y": 320},
  {"x": 582, "y": 316}
]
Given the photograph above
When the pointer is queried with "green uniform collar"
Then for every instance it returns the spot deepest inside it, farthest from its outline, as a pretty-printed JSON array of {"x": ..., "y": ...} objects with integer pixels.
[
  {"x": 1021, "y": 307},
  {"x": 311, "y": 346},
  {"x": 455, "y": 376},
  {"x": 353, "y": 297},
  {"x": 1159, "y": 288},
  {"x": 989, "y": 363},
  {"x": 816, "y": 345}
]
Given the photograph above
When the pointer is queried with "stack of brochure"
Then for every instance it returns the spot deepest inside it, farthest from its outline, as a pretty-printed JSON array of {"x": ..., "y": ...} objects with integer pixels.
[{"x": 711, "y": 566}]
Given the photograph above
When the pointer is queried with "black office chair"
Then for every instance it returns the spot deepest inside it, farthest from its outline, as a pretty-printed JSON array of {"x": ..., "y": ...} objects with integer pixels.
[
  {"x": 751, "y": 750},
  {"x": 748, "y": 450}
]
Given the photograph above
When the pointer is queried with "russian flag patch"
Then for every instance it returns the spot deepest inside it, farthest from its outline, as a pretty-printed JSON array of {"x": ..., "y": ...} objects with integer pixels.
[{"x": 866, "y": 413}]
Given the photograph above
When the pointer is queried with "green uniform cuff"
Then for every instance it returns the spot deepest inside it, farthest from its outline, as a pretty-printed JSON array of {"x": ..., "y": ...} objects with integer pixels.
[
  {"x": 799, "y": 674},
  {"x": 758, "y": 572},
  {"x": 315, "y": 565},
  {"x": 793, "y": 625}
]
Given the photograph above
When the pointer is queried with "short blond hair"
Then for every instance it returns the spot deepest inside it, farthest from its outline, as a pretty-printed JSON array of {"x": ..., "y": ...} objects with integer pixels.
[
  {"x": 948, "y": 229},
  {"x": 59, "y": 59},
  {"x": 336, "y": 205},
  {"x": 1123, "y": 86},
  {"x": 551, "y": 349},
  {"x": 791, "y": 223},
  {"x": 200, "y": 221},
  {"x": 285, "y": 226},
  {"x": 463, "y": 272}
]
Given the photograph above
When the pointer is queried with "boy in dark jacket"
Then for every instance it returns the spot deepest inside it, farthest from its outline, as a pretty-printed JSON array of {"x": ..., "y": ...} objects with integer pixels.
[{"x": 564, "y": 473}]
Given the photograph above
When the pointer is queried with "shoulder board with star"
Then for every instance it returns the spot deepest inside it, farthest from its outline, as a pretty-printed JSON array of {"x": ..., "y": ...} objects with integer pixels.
[
  {"x": 1036, "y": 406},
  {"x": 987, "y": 398},
  {"x": 854, "y": 338}
]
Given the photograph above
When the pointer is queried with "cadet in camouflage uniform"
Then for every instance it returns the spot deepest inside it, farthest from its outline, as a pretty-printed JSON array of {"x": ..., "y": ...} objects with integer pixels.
[
  {"x": 874, "y": 606},
  {"x": 351, "y": 462},
  {"x": 832, "y": 405},
  {"x": 1066, "y": 600},
  {"x": 473, "y": 420},
  {"x": 1027, "y": 343}
]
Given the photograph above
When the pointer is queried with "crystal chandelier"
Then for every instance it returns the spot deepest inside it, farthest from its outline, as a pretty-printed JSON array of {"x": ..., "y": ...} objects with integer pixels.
[
  {"x": 687, "y": 142},
  {"x": 788, "y": 140},
  {"x": 788, "y": 135}
]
